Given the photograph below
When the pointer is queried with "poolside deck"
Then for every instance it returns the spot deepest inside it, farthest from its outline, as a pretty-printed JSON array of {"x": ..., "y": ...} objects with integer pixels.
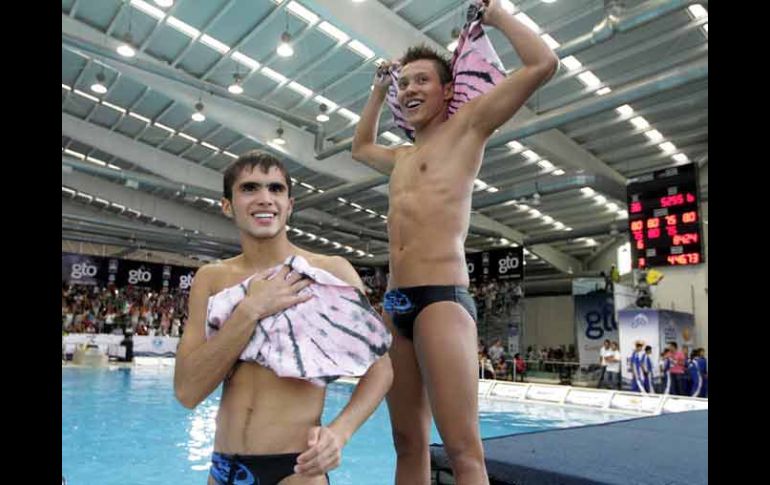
[{"x": 669, "y": 448}]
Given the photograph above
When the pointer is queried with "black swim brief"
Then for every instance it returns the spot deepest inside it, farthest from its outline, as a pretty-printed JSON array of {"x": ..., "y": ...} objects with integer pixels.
[
  {"x": 404, "y": 304},
  {"x": 252, "y": 469}
]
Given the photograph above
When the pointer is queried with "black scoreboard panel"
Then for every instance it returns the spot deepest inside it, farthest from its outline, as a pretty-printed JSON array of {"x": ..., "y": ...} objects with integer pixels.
[{"x": 664, "y": 218}]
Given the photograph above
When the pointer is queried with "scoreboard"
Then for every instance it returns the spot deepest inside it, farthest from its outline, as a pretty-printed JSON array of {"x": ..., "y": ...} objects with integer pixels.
[{"x": 664, "y": 218}]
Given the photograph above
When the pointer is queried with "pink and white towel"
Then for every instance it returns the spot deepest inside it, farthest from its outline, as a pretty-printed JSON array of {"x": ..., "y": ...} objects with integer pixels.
[{"x": 336, "y": 333}]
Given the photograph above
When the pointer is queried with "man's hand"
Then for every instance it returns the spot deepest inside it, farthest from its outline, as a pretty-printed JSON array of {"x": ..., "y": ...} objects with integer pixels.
[
  {"x": 266, "y": 297},
  {"x": 382, "y": 77},
  {"x": 324, "y": 452},
  {"x": 493, "y": 11}
]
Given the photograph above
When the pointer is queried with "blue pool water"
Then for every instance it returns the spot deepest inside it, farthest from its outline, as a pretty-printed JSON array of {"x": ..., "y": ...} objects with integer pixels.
[{"x": 125, "y": 427}]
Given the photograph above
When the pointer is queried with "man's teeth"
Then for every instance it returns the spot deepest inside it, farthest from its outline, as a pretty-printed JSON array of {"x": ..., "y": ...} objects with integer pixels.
[
  {"x": 413, "y": 104},
  {"x": 264, "y": 216}
]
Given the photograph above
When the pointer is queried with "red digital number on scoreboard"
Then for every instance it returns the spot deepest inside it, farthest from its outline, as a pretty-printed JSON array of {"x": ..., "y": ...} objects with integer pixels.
[
  {"x": 672, "y": 200},
  {"x": 689, "y": 217},
  {"x": 653, "y": 233},
  {"x": 637, "y": 225},
  {"x": 671, "y": 220},
  {"x": 635, "y": 207},
  {"x": 681, "y": 239},
  {"x": 688, "y": 258},
  {"x": 653, "y": 223},
  {"x": 671, "y": 230}
]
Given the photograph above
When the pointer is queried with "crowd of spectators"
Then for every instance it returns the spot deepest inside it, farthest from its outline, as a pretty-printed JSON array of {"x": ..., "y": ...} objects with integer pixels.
[{"x": 143, "y": 311}]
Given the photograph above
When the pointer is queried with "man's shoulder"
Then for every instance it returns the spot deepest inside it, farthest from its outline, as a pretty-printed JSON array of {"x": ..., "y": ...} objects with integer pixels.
[
  {"x": 210, "y": 274},
  {"x": 336, "y": 265}
]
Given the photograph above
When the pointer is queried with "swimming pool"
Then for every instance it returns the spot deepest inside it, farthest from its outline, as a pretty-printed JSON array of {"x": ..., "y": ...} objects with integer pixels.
[{"x": 124, "y": 427}]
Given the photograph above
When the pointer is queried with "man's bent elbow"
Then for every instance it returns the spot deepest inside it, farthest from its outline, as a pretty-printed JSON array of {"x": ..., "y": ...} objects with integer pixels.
[
  {"x": 549, "y": 67},
  {"x": 184, "y": 396},
  {"x": 357, "y": 151}
]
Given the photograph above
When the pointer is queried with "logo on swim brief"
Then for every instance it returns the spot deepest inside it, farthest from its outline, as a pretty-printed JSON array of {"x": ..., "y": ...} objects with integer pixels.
[
  {"x": 80, "y": 270},
  {"x": 139, "y": 275},
  {"x": 185, "y": 281},
  {"x": 507, "y": 263}
]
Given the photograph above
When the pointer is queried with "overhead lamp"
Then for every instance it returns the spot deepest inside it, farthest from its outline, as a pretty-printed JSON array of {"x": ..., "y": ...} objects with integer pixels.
[
  {"x": 198, "y": 115},
  {"x": 235, "y": 87},
  {"x": 279, "y": 140},
  {"x": 284, "y": 48},
  {"x": 99, "y": 87},
  {"x": 164, "y": 3},
  {"x": 322, "y": 117},
  {"x": 125, "y": 49}
]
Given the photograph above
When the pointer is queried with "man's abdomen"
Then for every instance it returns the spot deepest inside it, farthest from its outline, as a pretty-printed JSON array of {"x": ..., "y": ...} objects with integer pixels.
[
  {"x": 261, "y": 413},
  {"x": 427, "y": 245}
]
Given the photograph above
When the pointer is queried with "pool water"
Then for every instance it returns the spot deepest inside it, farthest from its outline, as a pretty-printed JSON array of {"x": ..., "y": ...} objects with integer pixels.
[{"x": 125, "y": 427}]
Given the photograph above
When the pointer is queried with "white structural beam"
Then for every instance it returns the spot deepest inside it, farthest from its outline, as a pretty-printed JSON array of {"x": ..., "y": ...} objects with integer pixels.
[
  {"x": 145, "y": 156},
  {"x": 153, "y": 206}
]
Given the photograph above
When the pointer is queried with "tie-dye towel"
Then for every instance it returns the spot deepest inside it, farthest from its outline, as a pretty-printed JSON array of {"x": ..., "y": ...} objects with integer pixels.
[
  {"x": 336, "y": 333},
  {"x": 476, "y": 68}
]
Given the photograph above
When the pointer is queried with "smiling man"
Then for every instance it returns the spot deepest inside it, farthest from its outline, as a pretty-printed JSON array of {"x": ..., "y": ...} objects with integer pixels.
[
  {"x": 431, "y": 182},
  {"x": 269, "y": 425}
]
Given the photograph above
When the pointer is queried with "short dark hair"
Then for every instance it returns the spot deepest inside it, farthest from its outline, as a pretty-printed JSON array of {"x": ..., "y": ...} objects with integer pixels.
[
  {"x": 673, "y": 344},
  {"x": 251, "y": 159},
  {"x": 648, "y": 349},
  {"x": 422, "y": 51}
]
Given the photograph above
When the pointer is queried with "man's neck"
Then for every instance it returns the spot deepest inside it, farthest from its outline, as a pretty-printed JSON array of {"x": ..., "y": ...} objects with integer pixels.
[
  {"x": 259, "y": 254},
  {"x": 425, "y": 133}
]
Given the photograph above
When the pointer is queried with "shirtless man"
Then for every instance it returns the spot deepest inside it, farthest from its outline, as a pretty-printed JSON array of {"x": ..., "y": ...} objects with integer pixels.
[
  {"x": 433, "y": 353},
  {"x": 271, "y": 423}
]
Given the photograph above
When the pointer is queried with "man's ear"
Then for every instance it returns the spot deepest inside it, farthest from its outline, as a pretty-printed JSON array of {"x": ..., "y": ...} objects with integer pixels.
[
  {"x": 227, "y": 207},
  {"x": 449, "y": 91}
]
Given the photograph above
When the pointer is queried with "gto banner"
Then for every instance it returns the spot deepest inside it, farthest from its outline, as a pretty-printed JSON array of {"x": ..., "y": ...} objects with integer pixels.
[{"x": 82, "y": 269}]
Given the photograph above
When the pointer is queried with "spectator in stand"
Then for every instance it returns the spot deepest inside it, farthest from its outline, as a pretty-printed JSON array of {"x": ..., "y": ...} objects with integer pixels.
[
  {"x": 665, "y": 372},
  {"x": 496, "y": 350},
  {"x": 501, "y": 368},
  {"x": 521, "y": 367},
  {"x": 603, "y": 353},
  {"x": 613, "y": 359},
  {"x": 486, "y": 370}
]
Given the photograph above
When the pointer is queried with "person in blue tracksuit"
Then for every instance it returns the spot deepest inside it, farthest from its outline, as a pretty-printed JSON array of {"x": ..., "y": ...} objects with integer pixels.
[
  {"x": 647, "y": 370},
  {"x": 703, "y": 368},
  {"x": 637, "y": 365},
  {"x": 694, "y": 371}
]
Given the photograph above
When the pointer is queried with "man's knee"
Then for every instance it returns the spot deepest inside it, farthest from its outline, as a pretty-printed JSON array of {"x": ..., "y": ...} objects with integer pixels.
[
  {"x": 465, "y": 451},
  {"x": 411, "y": 442}
]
